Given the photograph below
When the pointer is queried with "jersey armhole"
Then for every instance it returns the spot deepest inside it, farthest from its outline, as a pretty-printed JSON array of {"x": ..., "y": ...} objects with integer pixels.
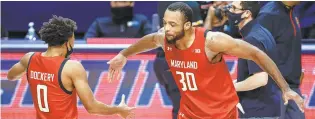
[
  {"x": 205, "y": 33},
  {"x": 59, "y": 77},
  {"x": 28, "y": 64}
]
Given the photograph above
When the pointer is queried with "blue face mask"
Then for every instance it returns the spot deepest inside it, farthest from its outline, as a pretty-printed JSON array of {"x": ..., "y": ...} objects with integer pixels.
[
  {"x": 69, "y": 52},
  {"x": 235, "y": 19}
]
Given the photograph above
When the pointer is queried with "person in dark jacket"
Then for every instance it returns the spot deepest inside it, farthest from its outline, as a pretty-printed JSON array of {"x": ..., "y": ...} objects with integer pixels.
[
  {"x": 257, "y": 92},
  {"x": 123, "y": 23},
  {"x": 281, "y": 19}
]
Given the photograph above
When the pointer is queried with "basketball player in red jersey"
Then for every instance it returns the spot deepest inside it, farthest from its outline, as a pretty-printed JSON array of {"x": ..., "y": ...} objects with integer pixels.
[
  {"x": 55, "y": 80},
  {"x": 206, "y": 86}
]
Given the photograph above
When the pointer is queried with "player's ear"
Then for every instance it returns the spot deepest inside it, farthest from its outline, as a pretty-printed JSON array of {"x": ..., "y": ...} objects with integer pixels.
[{"x": 187, "y": 25}]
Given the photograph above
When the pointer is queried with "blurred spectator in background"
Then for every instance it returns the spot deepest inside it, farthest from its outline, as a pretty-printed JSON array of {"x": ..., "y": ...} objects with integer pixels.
[
  {"x": 161, "y": 68},
  {"x": 215, "y": 14},
  {"x": 123, "y": 23},
  {"x": 282, "y": 21},
  {"x": 311, "y": 32},
  {"x": 306, "y": 10},
  {"x": 4, "y": 33},
  {"x": 257, "y": 93}
]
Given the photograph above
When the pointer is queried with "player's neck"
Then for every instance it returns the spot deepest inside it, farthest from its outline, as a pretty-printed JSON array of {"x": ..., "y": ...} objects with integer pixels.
[
  {"x": 54, "y": 51},
  {"x": 187, "y": 40}
]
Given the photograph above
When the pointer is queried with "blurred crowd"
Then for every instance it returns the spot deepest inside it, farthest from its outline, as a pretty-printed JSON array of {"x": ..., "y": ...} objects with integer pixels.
[
  {"x": 123, "y": 22},
  {"x": 214, "y": 16}
]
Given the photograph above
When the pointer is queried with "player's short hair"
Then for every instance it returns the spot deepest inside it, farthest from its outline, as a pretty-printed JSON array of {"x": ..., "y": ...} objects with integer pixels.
[
  {"x": 252, "y": 6},
  {"x": 183, "y": 8},
  {"x": 57, "y": 30}
]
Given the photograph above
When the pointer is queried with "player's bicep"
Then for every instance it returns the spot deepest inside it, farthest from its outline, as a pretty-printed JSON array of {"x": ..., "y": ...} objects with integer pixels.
[
  {"x": 159, "y": 38},
  {"x": 242, "y": 49},
  {"x": 221, "y": 42},
  {"x": 81, "y": 85},
  {"x": 18, "y": 69},
  {"x": 150, "y": 41}
]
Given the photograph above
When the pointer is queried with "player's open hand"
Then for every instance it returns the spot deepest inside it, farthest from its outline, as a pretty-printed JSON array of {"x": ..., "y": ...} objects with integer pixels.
[
  {"x": 115, "y": 67},
  {"x": 125, "y": 111},
  {"x": 291, "y": 95}
]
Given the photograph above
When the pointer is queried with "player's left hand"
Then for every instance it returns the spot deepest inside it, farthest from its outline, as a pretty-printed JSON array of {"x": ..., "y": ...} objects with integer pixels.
[
  {"x": 291, "y": 95},
  {"x": 115, "y": 67},
  {"x": 125, "y": 111}
]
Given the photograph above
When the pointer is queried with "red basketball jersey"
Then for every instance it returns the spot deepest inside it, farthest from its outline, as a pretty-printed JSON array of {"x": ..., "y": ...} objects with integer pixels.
[
  {"x": 51, "y": 99},
  {"x": 207, "y": 90}
]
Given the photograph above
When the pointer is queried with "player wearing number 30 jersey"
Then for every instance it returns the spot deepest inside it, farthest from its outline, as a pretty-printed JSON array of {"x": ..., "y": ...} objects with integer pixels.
[
  {"x": 55, "y": 81},
  {"x": 205, "y": 85},
  {"x": 194, "y": 57}
]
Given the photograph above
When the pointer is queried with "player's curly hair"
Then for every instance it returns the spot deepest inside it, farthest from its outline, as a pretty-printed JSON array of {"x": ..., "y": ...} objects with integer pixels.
[{"x": 57, "y": 30}]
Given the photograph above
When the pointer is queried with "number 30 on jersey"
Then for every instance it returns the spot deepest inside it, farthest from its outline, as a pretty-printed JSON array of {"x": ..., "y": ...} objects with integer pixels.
[{"x": 187, "y": 80}]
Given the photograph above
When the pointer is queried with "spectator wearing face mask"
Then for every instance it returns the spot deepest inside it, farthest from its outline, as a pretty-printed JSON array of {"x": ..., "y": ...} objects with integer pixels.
[
  {"x": 122, "y": 23},
  {"x": 216, "y": 17}
]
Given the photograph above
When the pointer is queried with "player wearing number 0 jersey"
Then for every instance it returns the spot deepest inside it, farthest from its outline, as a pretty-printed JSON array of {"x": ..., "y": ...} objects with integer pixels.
[
  {"x": 55, "y": 81},
  {"x": 44, "y": 75},
  {"x": 194, "y": 57}
]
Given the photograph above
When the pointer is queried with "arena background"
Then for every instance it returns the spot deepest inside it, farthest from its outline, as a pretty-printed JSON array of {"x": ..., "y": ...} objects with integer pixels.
[{"x": 139, "y": 83}]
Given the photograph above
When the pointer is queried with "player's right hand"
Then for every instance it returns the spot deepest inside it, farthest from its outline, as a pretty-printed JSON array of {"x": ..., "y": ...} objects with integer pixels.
[
  {"x": 115, "y": 67},
  {"x": 291, "y": 95},
  {"x": 125, "y": 111}
]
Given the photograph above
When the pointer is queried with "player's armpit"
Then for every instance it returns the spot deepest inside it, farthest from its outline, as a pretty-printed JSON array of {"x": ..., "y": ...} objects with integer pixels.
[
  {"x": 146, "y": 43},
  {"x": 19, "y": 69},
  {"x": 79, "y": 79}
]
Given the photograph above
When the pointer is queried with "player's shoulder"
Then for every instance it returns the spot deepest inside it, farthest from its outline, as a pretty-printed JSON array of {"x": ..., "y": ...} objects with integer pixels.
[
  {"x": 73, "y": 64},
  {"x": 219, "y": 42},
  {"x": 160, "y": 33},
  {"x": 212, "y": 36},
  {"x": 25, "y": 59},
  {"x": 73, "y": 67},
  {"x": 28, "y": 55},
  {"x": 158, "y": 36}
]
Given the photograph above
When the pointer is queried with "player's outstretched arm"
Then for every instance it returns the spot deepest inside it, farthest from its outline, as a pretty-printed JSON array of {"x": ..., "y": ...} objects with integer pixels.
[
  {"x": 79, "y": 78},
  {"x": 18, "y": 69},
  {"x": 220, "y": 42},
  {"x": 146, "y": 43}
]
